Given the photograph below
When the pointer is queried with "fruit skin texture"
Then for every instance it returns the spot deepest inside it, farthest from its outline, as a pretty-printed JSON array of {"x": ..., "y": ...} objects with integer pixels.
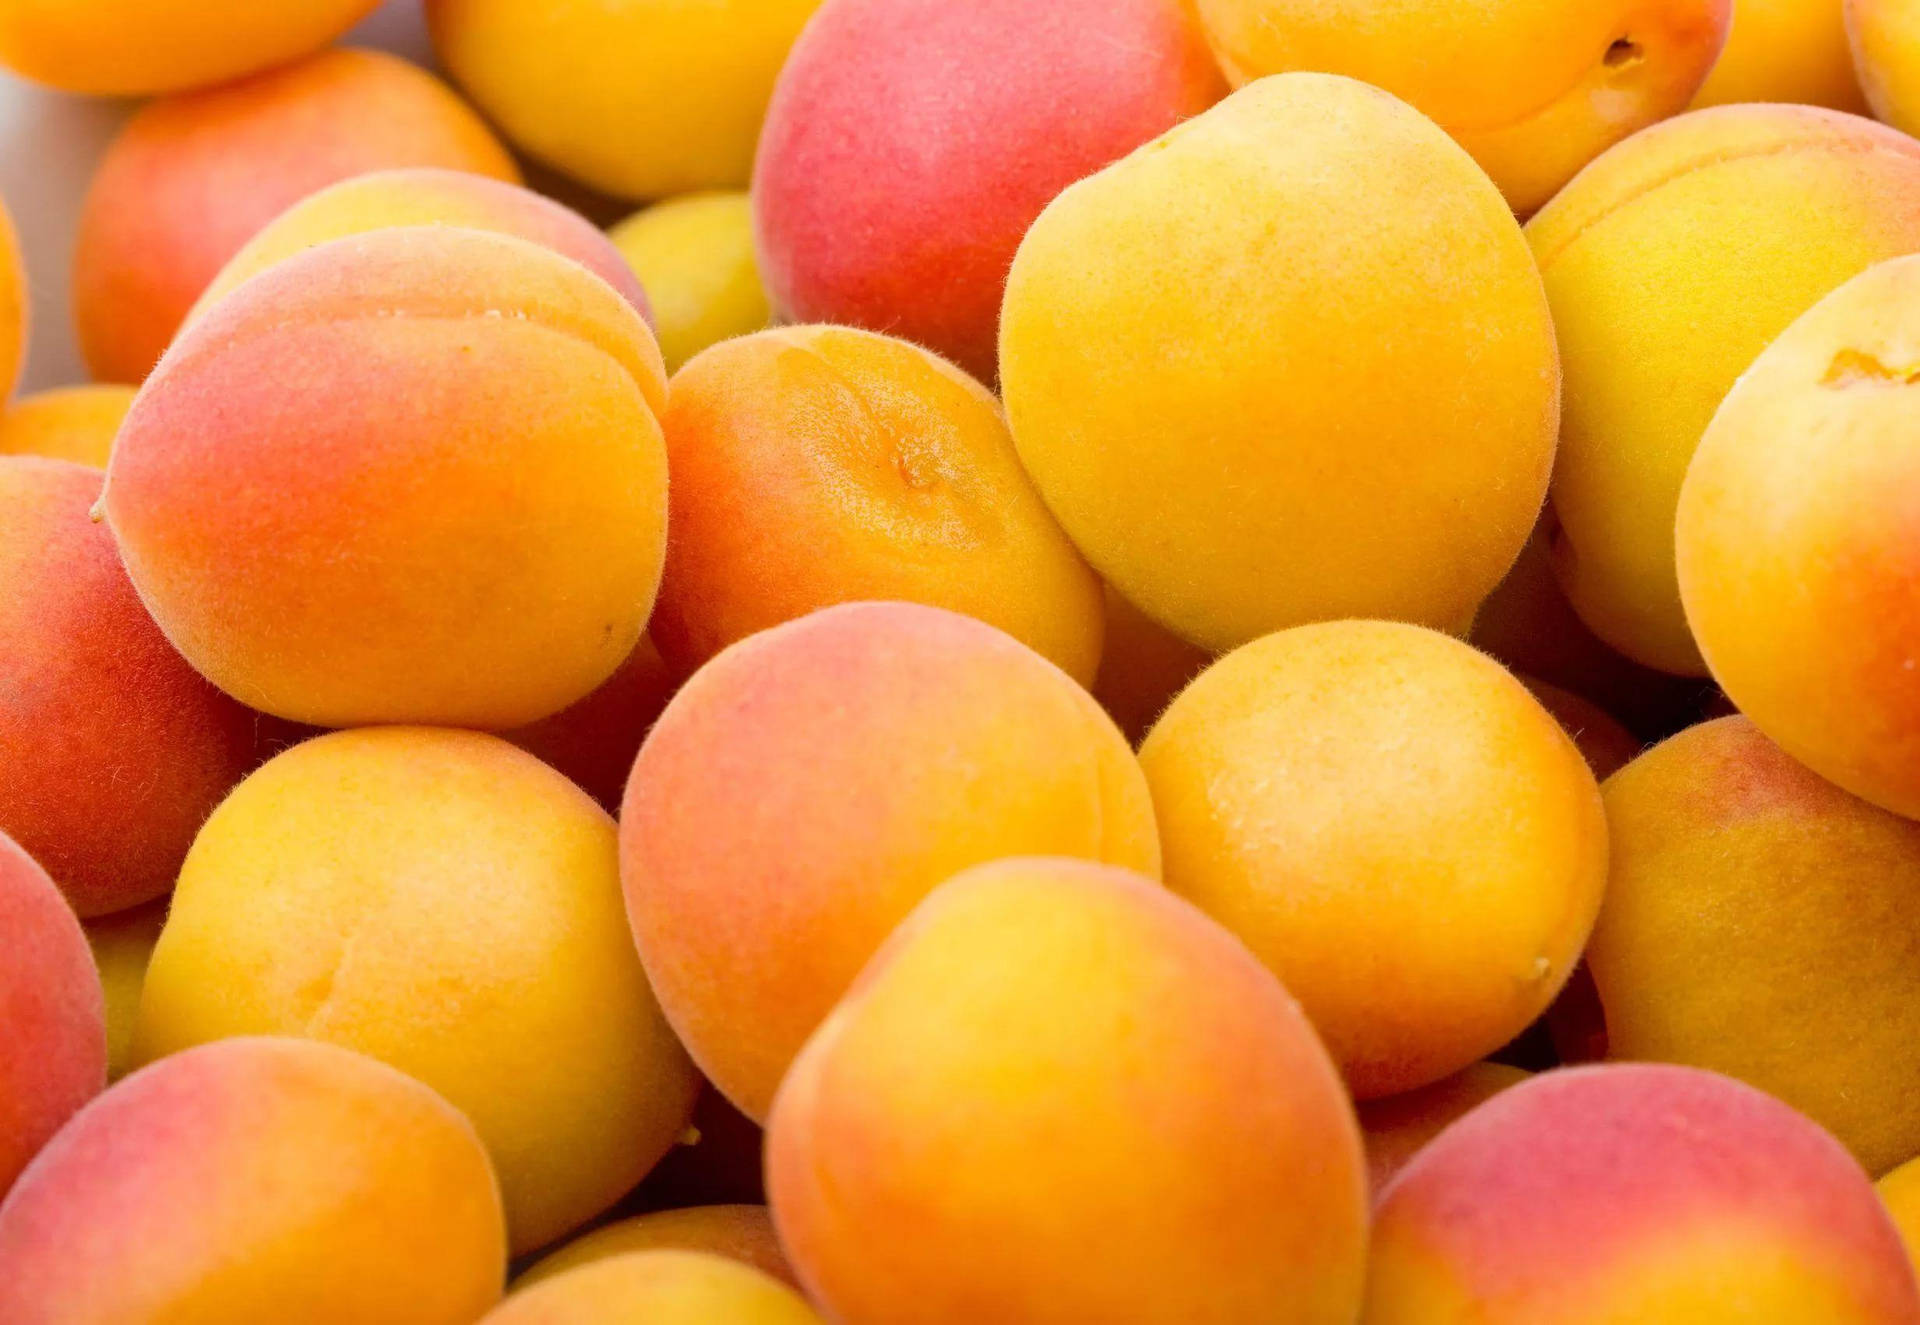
[
  {"x": 53, "y": 1057},
  {"x": 1060, "y": 1094},
  {"x": 1759, "y": 922},
  {"x": 660, "y": 1288},
  {"x": 595, "y": 740},
  {"x": 122, "y": 945},
  {"x": 1885, "y": 38},
  {"x": 252, "y": 1180},
  {"x": 192, "y": 178},
  {"x": 1534, "y": 91},
  {"x": 1786, "y": 50},
  {"x": 428, "y": 196},
  {"x": 1671, "y": 262},
  {"x": 775, "y": 830},
  {"x": 822, "y": 465},
  {"x": 408, "y": 476},
  {"x": 695, "y": 256},
  {"x": 13, "y": 305},
  {"x": 637, "y": 98},
  {"x": 911, "y": 144},
  {"x": 1336, "y": 395},
  {"x": 1142, "y": 668},
  {"x": 741, "y": 1233},
  {"x": 1652, "y": 1194},
  {"x": 132, "y": 48},
  {"x": 1399, "y": 1127},
  {"x": 1795, "y": 539},
  {"x": 1900, "y": 1193},
  {"x": 112, "y": 750},
  {"x": 1394, "y": 825},
  {"x": 76, "y": 423},
  {"x": 449, "y": 905}
]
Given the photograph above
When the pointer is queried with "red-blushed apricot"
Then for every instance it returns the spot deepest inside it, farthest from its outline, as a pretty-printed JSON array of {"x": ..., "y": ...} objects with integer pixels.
[
  {"x": 255, "y": 1180},
  {"x": 1528, "y": 624},
  {"x": 1290, "y": 362},
  {"x": 1785, "y": 50},
  {"x": 1671, "y": 262},
  {"x": 1060, "y": 1094},
  {"x": 1797, "y": 561},
  {"x": 1885, "y": 38},
  {"x": 133, "y": 48},
  {"x": 192, "y": 178},
  {"x": 910, "y": 145},
  {"x": 809, "y": 786},
  {"x": 13, "y": 305},
  {"x": 594, "y": 741},
  {"x": 122, "y": 945},
  {"x": 1533, "y": 90},
  {"x": 1652, "y": 1194},
  {"x": 1142, "y": 668},
  {"x": 822, "y": 465},
  {"x": 112, "y": 751},
  {"x": 718, "y": 1161},
  {"x": 76, "y": 423},
  {"x": 1607, "y": 746},
  {"x": 428, "y": 196},
  {"x": 659, "y": 1288},
  {"x": 694, "y": 254},
  {"x": 1399, "y": 1127},
  {"x": 640, "y": 99},
  {"x": 414, "y": 475},
  {"x": 1900, "y": 1192},
  {"x": 1759, "y": 921},
  {"x": 1396, "y": 827},
  {"x": 53, "y": 1052},
  {"x": 741, "y": 1233},
  {"x": 448, "y": 904}
]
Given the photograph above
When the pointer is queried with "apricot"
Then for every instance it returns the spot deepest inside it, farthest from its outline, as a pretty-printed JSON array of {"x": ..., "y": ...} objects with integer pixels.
[
  {"x": 112, "y": 750},
  {"x": 741, "y": 1233},
  {"x": 53, "y": 1056},
  {"x": 133, "y": 48},
  {"x": 813, "y": 783},
  {"x": 1785, "y": 50},
  {"x": 192, "y": 178},
  {"x": 639, "y": 99},
  {"x": 421, "y": 197},
  {"x": 1142, "y": 668},
  {"x": 660, "y": 1288},
  {"x": 1396, "y": 827},
  {"x": 1794, "y": 540},
  {"x": 414, "y": 475},
  {"x": 1885, "y": 39},
  {"x": 1671, "y": 263},
  {"x": 1758, "y": 921},
  {"x": 822, "y": 465},
  {"x": 1653, "y": 1194},
  {"x": 449, "y": 905},
  {"x": 1399, "y": 1127},
  {"x": 1900, "y": 1192},
  {"x": 910, "y": 145},
  {"x": 695, "y": 256},
  {"x": 1528, "y": 624},
  {"x": 1060, "y": 1094},
  {"x": 76, "y": 423},
  {"x": 1534, "y": 91},
  {"x": 1334, "y": 396},
  {"x": 595, "y": 740},
  {"x": 13, "y": 304},
  {"x": 122, "y": 945},
  {"x": 254, "y": 1180},
  {"x": 1606, "y": 745}
]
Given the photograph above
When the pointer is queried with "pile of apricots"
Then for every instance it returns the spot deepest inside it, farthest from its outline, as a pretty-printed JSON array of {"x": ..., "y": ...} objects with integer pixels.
[{"x": 1006, "y": 662}]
